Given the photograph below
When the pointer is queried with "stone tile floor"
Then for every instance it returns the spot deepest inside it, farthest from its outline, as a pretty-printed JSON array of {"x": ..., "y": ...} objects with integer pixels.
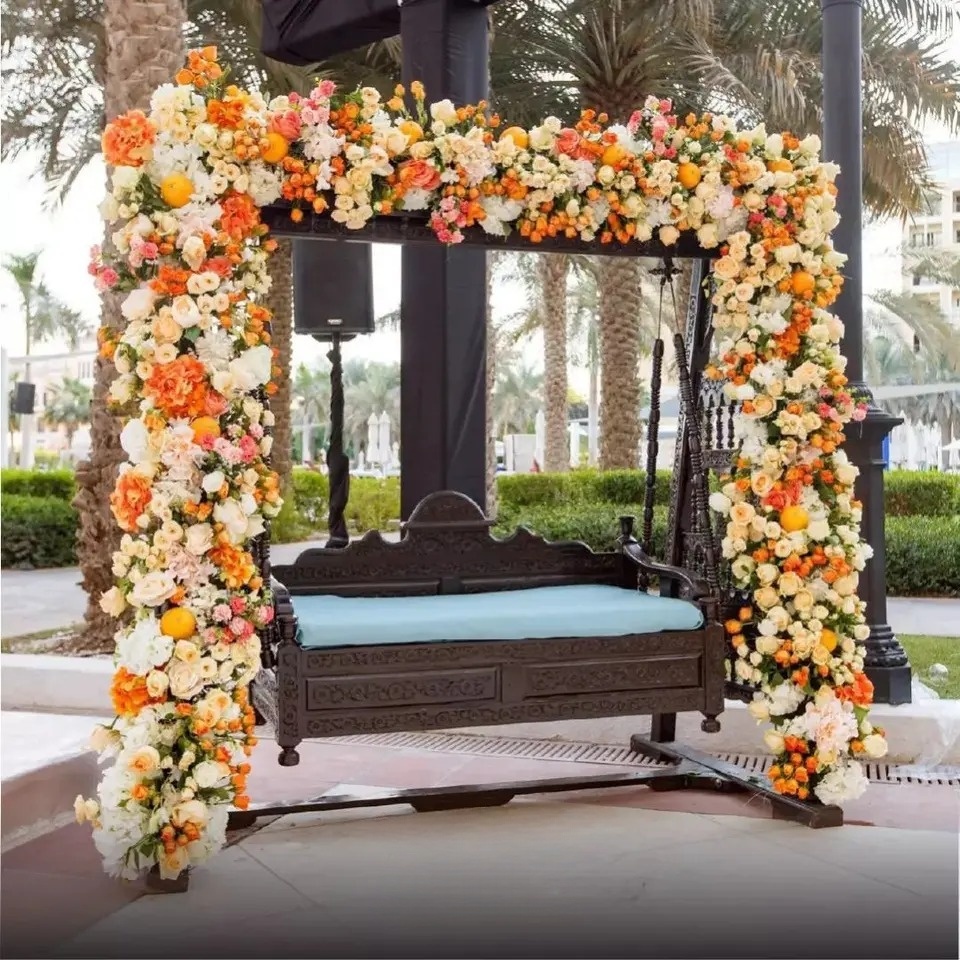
[{"x": 625, "y": 872}]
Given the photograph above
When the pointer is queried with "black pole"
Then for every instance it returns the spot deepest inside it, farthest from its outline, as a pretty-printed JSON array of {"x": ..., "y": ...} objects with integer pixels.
[
  {"x": 338, "y": 466},
  {"x": 886, "y": 663},
  {"x": 443, "y": 316}
]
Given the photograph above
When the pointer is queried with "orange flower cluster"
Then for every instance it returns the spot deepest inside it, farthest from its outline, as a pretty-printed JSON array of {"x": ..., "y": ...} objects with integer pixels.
[
  {"x": 240, "y": 217},
  {"x": 126, "y": 142},
  {"x": 130, "y": 497},
  {"x": 201, "y": 69},
  {"x": 301, "y": 185},
  {"x": 129, "y": 695},
  {"x": 236, "y": 564},
  {"x": 179, "y": 388},
  {"x": 792, "y": 775}
]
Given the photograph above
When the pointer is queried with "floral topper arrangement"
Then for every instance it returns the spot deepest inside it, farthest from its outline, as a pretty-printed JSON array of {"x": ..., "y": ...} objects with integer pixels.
[{"x": 194, "y": 363}]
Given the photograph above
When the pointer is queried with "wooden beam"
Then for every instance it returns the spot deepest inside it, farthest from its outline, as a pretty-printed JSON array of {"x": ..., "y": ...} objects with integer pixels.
[{"x": 413, "y": 228}]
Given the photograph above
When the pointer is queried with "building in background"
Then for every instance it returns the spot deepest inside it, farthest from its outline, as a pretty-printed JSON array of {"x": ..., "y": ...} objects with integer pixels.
[{"x": 937, "y": 228}]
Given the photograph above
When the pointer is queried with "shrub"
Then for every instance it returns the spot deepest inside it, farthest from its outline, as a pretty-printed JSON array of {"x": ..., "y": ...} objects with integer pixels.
[
  {"x": 580, "y": 486},
  {"x": 920, "y": 493},
  {"x": 37, "y": 532},
  {"x": 373, "y": 503},
  {"x": 311, "y": 496},
  {"x": 59, "y": 484},
  {"x": 596, "y": 524},
  {"x": 923, "y": 556}
]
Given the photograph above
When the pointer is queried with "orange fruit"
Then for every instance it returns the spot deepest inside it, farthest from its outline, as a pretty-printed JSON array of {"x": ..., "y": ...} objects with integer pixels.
[
  {"x": 780, "y": 165},
  {"x": 613, "y": 155},
  {"x": 829, "y": 640},
  {"x": 176, "y": 190},
  {"x": 518, "y": 135},
  {"x": 276, "y": 150},
  {"x": 688, "y": 175},
  {"x": 411, "y": 130},
  {"x": 178, "y": 623},
  {"x": 794, "y": 518},
  {"x": 802, "y": 282},
  {"x": 204, "y": 427}
]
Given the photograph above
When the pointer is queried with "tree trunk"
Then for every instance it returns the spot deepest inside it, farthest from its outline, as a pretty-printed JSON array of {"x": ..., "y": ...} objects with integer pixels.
[
  {"x": 553, "y": 275},
  {"x": 144, "y": 49},
  {"x": 593, "y": 402},
  {"x": 620, "y": 303},
  {"x": 279, "y": 302},
  {"x": 491, "y": 382}
]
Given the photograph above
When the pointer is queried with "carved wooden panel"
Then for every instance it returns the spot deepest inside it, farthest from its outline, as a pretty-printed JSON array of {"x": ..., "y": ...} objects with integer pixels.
[
  {"x": 612, "y": 675},
  {"x": 328, "y": 724},
  {"x": 369, "y": 659},
  {"x": 402, "y": 689}
]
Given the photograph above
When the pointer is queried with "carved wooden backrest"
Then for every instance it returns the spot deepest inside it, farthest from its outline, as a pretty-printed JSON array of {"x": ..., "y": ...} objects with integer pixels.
[{"x": 447, "y": 547}]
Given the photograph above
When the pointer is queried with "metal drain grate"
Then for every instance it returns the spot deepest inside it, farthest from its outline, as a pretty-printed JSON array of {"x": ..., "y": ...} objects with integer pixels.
[{"x": 565, "y": 750}]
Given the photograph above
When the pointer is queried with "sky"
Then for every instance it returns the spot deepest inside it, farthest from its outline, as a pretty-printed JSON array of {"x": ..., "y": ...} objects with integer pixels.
[{"x": 66, "y": 233}]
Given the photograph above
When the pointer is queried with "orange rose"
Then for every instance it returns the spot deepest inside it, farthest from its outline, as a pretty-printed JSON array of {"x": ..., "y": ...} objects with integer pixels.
[
  {"x": 179, "y": 388},
  {"x": 129, "y": 499},
  {"x": 419, "y": 175},
  {"x": 568, "y": 142},
  {"x": 129, "y": 693},
  {"x": 127, "y": 141}
]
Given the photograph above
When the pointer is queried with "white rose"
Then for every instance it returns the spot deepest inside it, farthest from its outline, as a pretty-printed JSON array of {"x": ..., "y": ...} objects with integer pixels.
[
  {"x": 720, "y": 503},
  {"x": 138, "y": 304},
  {"x": 774, "y": 742},
  {"x": 113, "y": 602},
  {"x": 875, "y": 746},
  {"x": 818, "y": 530},
  {"x": 759, "y": 710},
  {"x": 157, "y": 683},
  {"x": 185, "y": 311},
  {"x": 231, "y": 515},
  {"x": 210, "y": 773},
  {"x": 199, "y": 538},
  {"x": 252, "y": 368},
  {"x": 444, "y": 112},
  {"x": 846, "y": 474},
  {"x": 190, "y": 811},
  {"x": 153, "y": 589},
  {"x": 186, "y": 679},
  {"x": 194, "y": 252},
  {"x": 213, "y": 481},
  {"x": 767, "y": 573}
]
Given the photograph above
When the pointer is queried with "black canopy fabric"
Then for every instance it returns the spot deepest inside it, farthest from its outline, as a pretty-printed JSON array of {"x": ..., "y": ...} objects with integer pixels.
[{"x": 303, "y": 32}]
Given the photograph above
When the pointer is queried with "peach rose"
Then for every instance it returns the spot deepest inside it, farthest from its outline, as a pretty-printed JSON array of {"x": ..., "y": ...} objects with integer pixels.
[
  {"x": 567, "y": 142},
  {"x": 419, "y": 175}
]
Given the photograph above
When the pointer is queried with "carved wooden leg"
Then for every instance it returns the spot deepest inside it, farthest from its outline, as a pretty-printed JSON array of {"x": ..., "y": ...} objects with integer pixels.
[
  {"x": 663, "y": 727},
  {"x": 710, "y": 724},
  {"x": 289, "y": 757}
]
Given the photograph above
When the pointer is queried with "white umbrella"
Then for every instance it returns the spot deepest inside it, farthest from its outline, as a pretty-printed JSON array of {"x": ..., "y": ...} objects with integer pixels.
[
  {"x": 373, "y": 438},
  {"x": 384, "y": 442},
  {"x": 574, "y": 443},
  {"x": 540, "y": 437}
]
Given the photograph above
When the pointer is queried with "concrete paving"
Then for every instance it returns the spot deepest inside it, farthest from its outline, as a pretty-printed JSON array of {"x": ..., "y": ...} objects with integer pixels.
[{"x": 547, "y": 879}]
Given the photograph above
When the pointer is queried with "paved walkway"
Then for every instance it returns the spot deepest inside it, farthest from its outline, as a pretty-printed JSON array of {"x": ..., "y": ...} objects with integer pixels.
[
  {"x": 39, "y": 600},
  {"x": 544, "y": 878}
]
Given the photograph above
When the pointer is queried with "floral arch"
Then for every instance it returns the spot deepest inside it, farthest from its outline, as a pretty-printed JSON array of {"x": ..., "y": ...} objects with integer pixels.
[{"x": 189, "y": 251}]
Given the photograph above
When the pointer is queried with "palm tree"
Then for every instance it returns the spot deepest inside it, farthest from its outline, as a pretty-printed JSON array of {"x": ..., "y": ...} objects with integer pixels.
[
  {"x": 141, "y": 48},
  {"x": 369, "y": 388},
  {"x": 310, "y": 394},
  {"x": 515, "y": 398},
  {"x": 44, "y": 317},
  {"x": 758, "y": 62},
  {"x": 70, "y": 408}
]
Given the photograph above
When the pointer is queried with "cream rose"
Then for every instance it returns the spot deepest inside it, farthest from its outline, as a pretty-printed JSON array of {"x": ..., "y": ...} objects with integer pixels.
[
  {"x": 185, "y": 311},
  {"x": 789, "y": 583},
  {"x": 444, "y": 111},
  {"x": 199, "y": 538},
  {"x": 230, "y": 514},
  {"x": 138, "y": 304},
  {"x": 761, "y": 483},
  {"x": 803, "y": 601},
  {"x": 875, "y": 746},
  {"x": 153, "y": 589},
  {"x": 113, "y": 602},
  {"x": 766, "y": 597},
  {"x": 187, "y": 651},
  {"x": 742, "y": 513},
  {"x": 186, "y": 679},
  {"x": 157, "y": 683},
  {"x": 144, "y": 761}
]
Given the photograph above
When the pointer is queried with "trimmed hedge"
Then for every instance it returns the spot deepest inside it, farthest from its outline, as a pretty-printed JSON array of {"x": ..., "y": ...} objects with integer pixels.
[
  {"x": 580, "y": 486},
  {"x": 923, "y": 556},
  {"x": 921, "y": 493},
  {"x": 37, "y": 532},
  {"x": 39, "y": 483}
]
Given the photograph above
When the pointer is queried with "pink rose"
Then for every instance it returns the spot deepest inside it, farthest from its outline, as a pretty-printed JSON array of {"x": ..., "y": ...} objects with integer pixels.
[{"x": 287, "y": 124}]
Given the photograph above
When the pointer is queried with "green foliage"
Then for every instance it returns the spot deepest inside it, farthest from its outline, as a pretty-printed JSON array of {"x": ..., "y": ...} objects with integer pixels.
[
  {"x": 311, "y": 496},
  {"x": 923, "y": 556},
  {"x": 59, "y": 484},
  {"x": 580, "y": 486},
  {"x": 37, "y": 532},
  {"x": 920, "y": 493},
  {"x": 595, "y": 524},
  {"x": 289, "y": 526},
  {"x": 373, "y": 503}
]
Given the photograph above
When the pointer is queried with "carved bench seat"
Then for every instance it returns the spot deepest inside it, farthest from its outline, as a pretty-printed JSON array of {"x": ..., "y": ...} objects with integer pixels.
[
  {"x": 540, "y": 613},
  {"x": 453, "y": 627}
]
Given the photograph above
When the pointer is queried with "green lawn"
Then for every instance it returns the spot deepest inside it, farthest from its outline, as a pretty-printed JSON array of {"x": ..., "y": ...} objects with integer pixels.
[{"x": 924, "y": 651}]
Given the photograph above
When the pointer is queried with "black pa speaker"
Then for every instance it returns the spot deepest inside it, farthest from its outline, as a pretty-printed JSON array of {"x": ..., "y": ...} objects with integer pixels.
[
  {"x": 332, "y": 288},
  {"x": 24, "y": 398}
]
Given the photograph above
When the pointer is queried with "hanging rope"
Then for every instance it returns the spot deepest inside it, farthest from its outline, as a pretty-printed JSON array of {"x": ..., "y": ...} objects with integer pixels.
[{"x": 666, "y": 271}]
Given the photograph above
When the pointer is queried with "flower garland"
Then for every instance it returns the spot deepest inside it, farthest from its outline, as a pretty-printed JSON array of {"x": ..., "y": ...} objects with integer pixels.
[{"x": 189, "y": 248}]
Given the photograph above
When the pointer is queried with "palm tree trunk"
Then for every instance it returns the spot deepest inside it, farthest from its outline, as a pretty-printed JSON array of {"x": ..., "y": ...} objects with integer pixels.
[
  {"x": 144, "y": 49},
  {"x": 620, "y": 303},
  {"x": 491, "y": 382},
  {"x": 279, "y": 302},
  {"x": 553, "y": 276}
]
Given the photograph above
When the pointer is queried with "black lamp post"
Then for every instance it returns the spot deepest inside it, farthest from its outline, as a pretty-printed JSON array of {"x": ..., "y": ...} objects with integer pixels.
[
  {"x": 333, "y": 302},
  {"x": 886, "y": 663}
]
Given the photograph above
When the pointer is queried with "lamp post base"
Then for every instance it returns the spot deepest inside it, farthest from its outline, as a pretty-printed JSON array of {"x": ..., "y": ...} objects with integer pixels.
[{"x": 887, "y": 666}]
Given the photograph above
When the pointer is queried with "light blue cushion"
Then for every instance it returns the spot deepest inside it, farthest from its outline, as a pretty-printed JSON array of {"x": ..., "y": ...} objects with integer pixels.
[{"x": 538, "y": 613}]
